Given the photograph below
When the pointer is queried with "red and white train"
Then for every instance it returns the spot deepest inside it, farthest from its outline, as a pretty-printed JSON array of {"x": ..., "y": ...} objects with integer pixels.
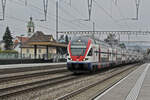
[{"x": 87, "y": 54}]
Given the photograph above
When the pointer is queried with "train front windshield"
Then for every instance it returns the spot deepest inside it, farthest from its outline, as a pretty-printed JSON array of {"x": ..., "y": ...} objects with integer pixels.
[
  {"x": 78, "y": 51},
  {"x": 78, "y": 46}
]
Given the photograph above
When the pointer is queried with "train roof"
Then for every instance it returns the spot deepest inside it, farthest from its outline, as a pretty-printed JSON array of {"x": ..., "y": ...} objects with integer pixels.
[
  {"x": 98, "y": 41},
  {"x": 94, "y": 40}
]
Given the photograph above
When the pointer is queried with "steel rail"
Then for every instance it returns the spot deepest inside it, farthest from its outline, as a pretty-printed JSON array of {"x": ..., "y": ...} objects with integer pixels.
[
  {"x": 15, "y": 90},
  {"x": 80, "y": 90},
  {"x": 34, "y": 74}
]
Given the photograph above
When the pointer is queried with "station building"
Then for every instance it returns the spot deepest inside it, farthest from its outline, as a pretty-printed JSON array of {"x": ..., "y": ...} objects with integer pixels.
[{"x": 41, "y": 46}]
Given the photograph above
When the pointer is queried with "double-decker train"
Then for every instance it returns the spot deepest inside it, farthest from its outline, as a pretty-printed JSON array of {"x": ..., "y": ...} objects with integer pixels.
[{"x": 89, "y": 54}]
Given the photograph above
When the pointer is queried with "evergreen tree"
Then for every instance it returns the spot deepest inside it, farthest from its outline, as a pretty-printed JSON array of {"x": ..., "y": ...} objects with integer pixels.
[
  {"x": 66, "y": 39},
  {"x": 7, "y": 38}
]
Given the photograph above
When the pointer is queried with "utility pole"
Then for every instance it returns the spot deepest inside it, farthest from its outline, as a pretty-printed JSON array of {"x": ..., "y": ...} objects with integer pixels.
[
  {"x": 45, "y": 3},
  {"x": 93, "y": 29},
  {"x": 116, "y": 2},
  {"x": 3, "y": 8},
  {"x": 25, "y": 2},
  {"x": 90, "y": 8},
  {"x": 137, "y": 8},
  {"x": 70, "y": 3},
  {"x": 57, "y": 14}
]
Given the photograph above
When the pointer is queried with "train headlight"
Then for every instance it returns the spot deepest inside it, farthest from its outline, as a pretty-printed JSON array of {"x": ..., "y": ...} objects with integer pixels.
[{"x": 85, "y": 59}]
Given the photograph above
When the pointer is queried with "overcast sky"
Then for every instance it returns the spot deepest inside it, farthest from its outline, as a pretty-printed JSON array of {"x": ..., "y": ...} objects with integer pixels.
[{"x": 106, "y": 14}]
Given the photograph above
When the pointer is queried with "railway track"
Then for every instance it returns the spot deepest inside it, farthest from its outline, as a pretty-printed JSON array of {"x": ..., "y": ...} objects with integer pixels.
[
  {"x": 18, "y": 89},
  {"x": 7, "y": 92},
  {"x": 52, "y": 82},
  {"x": 22, "y": 75},
  {"x": 77, "y": 94},
  {"x": 11, "y": 82}
]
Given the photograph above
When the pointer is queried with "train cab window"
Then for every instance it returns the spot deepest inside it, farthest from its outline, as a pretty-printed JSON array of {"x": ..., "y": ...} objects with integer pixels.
[{"x": 90, "y": 52}]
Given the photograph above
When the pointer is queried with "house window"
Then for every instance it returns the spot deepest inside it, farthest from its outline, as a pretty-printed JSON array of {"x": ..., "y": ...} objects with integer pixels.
[
  {"x": 39, "y": 56},
  {"x": 27, "y": 50},
  {"x": 23, "y": 55},
  {"x": 30, "y": 56},
  {"x": 39, "y": 50}
]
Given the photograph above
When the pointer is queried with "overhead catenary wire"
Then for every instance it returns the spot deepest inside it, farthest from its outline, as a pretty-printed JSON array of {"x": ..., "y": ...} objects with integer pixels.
[
  {"x": 24, "y": 21},
  {"x": 74, "y": 8},
  {"x": 63, "y": 20},
  {"x": 79, "y": 13},
  {"x": 66, "y": 20},
  {"x": 115, "y": 2},
  {"x": 68, "y": 13},
  {"x": 60, "y": 17},
  {"x": 108, "y": 14},
  {"x": 121, "y": 14}
]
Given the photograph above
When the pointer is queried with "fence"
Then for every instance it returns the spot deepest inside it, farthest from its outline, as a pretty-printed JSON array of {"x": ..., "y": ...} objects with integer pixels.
[
  {"x": 8, "y": 55},
  {"x": 14, "y": 58}
]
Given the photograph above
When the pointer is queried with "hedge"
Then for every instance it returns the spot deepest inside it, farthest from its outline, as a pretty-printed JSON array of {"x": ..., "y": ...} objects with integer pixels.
[{"x": 8, "y": 51}]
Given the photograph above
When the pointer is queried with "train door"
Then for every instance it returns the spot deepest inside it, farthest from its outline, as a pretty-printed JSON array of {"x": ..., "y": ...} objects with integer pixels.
[
  {"x": 116, "y": 58},
  {"x": 113, "y": 55},
  {"x": 122, "y": 55},
  {"x": 99, "y": 54},
  {"x": 94, "y": 54},
  {"x": 110, "y": 55}
]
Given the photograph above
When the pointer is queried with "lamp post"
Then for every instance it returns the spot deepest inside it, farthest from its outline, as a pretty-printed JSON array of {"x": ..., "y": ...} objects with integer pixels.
[{"x": 57, "y": 14}]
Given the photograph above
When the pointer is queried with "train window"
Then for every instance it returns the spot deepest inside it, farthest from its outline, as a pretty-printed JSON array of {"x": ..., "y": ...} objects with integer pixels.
[
  {"x": 90, "y": 52},
  {"x": 78, "y": 51}
]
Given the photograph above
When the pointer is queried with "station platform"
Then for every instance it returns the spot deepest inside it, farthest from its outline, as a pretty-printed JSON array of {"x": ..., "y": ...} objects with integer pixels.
[
  {"x": 29, "y": 65},
  {"x": 136, "y": 86}
]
